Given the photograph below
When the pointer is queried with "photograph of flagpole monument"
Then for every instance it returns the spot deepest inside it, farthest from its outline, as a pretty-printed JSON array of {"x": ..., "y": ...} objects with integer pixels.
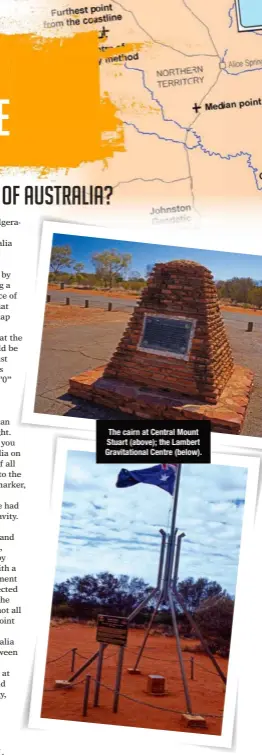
[
  {"x": 144, "y": 594},
  {"x": 149, "y": 331}
]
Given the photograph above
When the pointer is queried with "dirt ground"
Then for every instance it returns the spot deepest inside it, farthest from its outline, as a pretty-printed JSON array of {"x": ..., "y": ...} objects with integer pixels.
[
  {"x": 59, "y": 314},
  {"x": 206, "y": 689}
]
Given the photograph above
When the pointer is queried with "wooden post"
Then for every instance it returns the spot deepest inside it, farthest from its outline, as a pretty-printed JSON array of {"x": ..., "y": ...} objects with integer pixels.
[
  {"x": 67, "y": 300},
  {"x": 86, "y": 303},
  {"x": 48, "y": 298},
  {"x": 73, "y": 659},
  {"x": 109, "y": 306},
  {"x": 249, "y": 327},
  {"x": 192, "y": 667}
]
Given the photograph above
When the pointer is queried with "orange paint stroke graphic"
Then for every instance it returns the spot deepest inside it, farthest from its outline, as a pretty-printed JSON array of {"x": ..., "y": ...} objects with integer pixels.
[{"x": 57, "y": 117}]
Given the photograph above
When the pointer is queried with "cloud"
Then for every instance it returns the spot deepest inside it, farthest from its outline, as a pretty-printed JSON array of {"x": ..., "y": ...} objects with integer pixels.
[{"x": 118, "y": 530}]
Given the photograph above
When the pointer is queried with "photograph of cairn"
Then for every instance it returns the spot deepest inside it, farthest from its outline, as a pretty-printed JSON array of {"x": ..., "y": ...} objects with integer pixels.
[
  {"x": 175, "y": 339},
  {"x": 157, "y": 548}
]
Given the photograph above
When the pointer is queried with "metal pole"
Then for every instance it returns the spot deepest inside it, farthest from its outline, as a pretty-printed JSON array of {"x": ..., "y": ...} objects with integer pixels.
[
  {"x": 175, "y": 501},
  {"x": 118, "y": 678},
  {"x": 86, "y": 695},
  {"x": 98, "y": 673},
  {"x": 161, "y": 559},
  {"x": 177, "y": 559},
  {"x": 171, "y": 559},
  {"x": 84, "y": 666},
  {"x": 147, "y": 632},
  {"x": 73, "y": 659},
  {"x": 179, "y": 652},
  {"x": 166, "y": 569},
  {"x": 142, "y": 604},
  {"x": 172, "y": 535},
  {"x": 194, "y": 626}
]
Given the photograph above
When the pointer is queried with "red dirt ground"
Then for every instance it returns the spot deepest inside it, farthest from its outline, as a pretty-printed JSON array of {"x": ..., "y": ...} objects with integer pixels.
[
  {"x": 206, "y": 690},
  {"x": 57, "y": 315}
]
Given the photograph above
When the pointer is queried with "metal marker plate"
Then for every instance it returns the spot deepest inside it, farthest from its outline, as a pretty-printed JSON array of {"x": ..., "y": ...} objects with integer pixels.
[{"x": 170, "y": 336}]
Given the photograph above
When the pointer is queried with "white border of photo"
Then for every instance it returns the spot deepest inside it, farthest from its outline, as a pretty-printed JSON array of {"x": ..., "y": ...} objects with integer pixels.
[
  {"x": 29, "y": 416},
  {"x": 115, "y": 736}
]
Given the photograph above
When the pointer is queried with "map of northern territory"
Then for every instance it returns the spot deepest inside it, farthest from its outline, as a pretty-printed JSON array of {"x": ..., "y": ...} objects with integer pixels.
[
  {"x": 190, "y": 100},
  {"x": 184, "y": 79}
]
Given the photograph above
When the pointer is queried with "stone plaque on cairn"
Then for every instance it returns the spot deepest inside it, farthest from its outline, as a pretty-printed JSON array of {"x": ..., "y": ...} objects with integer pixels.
[{"x": 174, "y": 360}]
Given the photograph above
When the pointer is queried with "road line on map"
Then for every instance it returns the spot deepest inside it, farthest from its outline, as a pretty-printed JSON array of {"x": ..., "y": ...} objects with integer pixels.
[
  {"x": 164, "y": 44},
  {"x": 203, "y": 23}
]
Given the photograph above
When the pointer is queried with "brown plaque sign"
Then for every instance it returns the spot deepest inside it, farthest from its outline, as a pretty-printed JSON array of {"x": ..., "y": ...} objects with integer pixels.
[{"x": 111, "y": 630}]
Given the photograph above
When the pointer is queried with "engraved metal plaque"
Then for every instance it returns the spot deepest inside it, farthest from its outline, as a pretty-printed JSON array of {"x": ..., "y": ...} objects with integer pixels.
[{"x": 170, "y": 336}]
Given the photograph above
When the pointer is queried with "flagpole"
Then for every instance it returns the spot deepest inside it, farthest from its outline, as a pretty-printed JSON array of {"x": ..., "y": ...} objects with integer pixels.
[
  {"x": 172, "y": 535},
  {"x": 175, "y": 502}
]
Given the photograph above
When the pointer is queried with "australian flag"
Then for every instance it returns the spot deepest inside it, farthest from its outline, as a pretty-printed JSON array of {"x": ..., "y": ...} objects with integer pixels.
[{"x": 161, "y": 475}]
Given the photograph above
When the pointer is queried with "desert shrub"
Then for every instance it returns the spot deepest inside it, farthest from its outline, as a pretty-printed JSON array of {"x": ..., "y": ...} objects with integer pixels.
[
  {"x": 62, "y": 611},
  {"x": 214, "y": 618}
]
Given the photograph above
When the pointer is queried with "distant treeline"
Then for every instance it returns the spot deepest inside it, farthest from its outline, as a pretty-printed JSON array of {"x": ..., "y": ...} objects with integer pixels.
[
  {"x": 241, "y": 291},
  {"x": 112, "y": 270},
  {"x": 82, "y": 598},
  {"x": 91, "y": 280}
]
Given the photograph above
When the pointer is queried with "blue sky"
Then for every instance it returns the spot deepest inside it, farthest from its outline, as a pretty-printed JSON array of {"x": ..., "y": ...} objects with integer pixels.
[
  {"x": 104, "y": 528},
  {"x": 223, "y": 265}
]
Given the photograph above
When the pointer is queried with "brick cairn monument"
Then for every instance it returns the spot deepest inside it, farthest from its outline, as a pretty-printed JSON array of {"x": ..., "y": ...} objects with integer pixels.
[{"x": 174, "y": 360}]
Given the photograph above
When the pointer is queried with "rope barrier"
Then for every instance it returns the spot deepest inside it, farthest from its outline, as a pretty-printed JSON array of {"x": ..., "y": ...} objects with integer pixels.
[
  {"x": 86, "y": 659},
  {"x": 173, "y": 660},
  {"x": 59, "y": 657},
  {"x": 152, "y": 658},
  {"x": 140, "y": 702},
  {"x": 206, "y": 669},
  {"x": 150, "y": 705},
  {"x": 149, "y": 657},
  {"x": 128, "y": 697}
]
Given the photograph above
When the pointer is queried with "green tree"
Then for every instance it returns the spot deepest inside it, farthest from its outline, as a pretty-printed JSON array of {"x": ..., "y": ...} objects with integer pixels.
[
  {"x": 255, "y": 296},
  {"x": 110, "y": 264},
  {"x": 236, "y": 289},
  {"x": 149, "y": 270},
  {"x": 61, "y": 258},
  {"x": 196, "y": 591},
  {"x": 79, "y": 270},
  {"x": 61, "y": 592}
]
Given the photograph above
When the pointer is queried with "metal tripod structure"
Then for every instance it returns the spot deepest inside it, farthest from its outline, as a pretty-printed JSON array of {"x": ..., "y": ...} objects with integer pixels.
[{"x": 166, "y": 592}]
